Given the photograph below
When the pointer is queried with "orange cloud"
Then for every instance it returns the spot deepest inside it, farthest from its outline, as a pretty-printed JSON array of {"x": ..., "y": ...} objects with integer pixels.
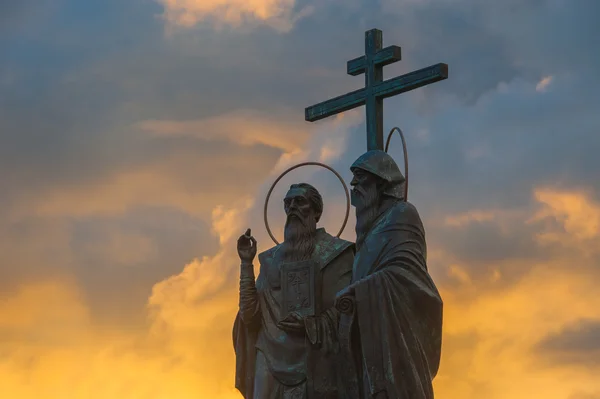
[
  {"x": 182, "y": 179},
  {"x": 53, "y": 349},
  {"x": 544, "y": 83},
  {"x": 469, "y": 217},
  {"x": 499, "y": 329},
  {"x": 489, "y": 335},
  {"x": 244, "y": 127},
  {"x": 489, "y": 339},
  {"x": 277, "y": 13},
  {"x": 578, "y": 215}
]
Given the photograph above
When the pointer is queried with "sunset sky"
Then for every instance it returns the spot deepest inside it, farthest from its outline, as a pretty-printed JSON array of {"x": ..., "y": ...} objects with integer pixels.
[{"x": 138, "y": 139}]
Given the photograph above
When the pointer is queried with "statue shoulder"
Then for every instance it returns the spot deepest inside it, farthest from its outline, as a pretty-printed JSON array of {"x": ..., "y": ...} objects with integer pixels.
[
  {"x": 405, "y": 210},
  {"x": 330, "y": 247},
  {"x": 336, "y": 242},
  {"x": 402, "y": 213},
  {"x": 268, "y": 255},
  {"x": 344, "y": 245}
]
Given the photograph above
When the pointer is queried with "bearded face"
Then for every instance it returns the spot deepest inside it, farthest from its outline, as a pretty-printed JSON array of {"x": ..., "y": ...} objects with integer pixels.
[
  {"x": 300, "y": 226},
  {"x": 365, "y": 198}
]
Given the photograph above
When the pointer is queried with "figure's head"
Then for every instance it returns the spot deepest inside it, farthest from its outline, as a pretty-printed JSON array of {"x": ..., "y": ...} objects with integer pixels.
[
  {"x": 366, "y": 189},
  {"x": 375, "y": 170},
  {"x": 375, "y": 176},
  {"x": 303, "y": 207},
  {"x": 303, "y": 201}
]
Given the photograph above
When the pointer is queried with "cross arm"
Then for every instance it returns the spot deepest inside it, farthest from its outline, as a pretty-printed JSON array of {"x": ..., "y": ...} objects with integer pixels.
[
  {"x": 335, "y": 106},
  {"x": 388, "y": 88},
  {"x": 410, "y": 81},
  {"x": 382, "y": 58}
]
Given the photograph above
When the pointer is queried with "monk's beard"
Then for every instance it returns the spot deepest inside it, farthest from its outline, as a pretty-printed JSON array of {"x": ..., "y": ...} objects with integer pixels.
[
  {"x": 299, "y": 238},
  {"x": 367, "y": 210}
]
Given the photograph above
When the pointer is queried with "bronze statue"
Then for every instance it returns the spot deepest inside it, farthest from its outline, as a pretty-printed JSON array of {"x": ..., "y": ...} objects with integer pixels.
[
  {"x": 285, "y": 332},
  {"x": 387, "y": 344},
  {"x": 390, "y": 329}
]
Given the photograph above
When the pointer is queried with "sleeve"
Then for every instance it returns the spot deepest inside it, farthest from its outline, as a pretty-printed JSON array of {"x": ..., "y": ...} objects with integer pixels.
[{"x": 249, "y": 307}]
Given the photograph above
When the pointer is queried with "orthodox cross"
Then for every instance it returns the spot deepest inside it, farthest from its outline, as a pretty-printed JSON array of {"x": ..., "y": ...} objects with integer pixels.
[
  {"x": 296, "y": 283},
  {"x": 376, "y": 89}
]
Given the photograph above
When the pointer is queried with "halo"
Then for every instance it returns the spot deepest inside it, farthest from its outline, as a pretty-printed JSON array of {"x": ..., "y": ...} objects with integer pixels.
[
  {"x": 296, "y": 167},
  {"x": 387, "y": 145}
]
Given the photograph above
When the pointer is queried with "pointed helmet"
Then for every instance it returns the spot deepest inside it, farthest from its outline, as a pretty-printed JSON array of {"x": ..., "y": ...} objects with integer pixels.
[{"x": 381, "y": 164}]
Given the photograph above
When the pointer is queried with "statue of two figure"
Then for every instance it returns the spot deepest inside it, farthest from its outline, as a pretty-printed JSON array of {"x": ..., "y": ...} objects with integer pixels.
[{"x": 327, "y": 318}]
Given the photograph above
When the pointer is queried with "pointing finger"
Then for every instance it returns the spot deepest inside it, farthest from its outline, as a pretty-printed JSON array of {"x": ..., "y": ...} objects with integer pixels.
[{"x": 248, "y": 232}]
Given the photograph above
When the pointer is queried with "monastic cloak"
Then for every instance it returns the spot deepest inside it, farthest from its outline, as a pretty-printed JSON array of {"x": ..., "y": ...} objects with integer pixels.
[
  {"x": 294, "y": 359},
  {"x": 396, "y": 323}
]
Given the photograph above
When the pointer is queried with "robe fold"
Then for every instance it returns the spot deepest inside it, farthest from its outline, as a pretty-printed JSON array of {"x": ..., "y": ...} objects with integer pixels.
[
  {"x": 292, "y": 360},
  {"x": 396, "y": 323}
]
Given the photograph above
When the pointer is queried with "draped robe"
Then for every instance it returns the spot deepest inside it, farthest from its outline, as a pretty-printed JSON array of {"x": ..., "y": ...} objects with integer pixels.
[
  {"x": 277, "y": 360},
  {"x": 394, "y": 330}
]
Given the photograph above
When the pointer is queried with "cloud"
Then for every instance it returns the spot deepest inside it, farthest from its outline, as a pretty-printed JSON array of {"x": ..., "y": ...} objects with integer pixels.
[
  {"x": 186, "y": 341},
  {"x": 121, "y": 229},
  {"x": 192, "y": 312},
  {"x": 491, "y": 249},
  {"x": 577, "y": 343},
  {"x": 469, "y": 217},
  {"x": 280, "y": 14},
  {"x": 579, "y": 216},
  {"x": 585, "y": 396},
  {"x": 47, "y": 313},
  {"x": 544, "y": 83},
  {"x": 186, "y": 178},
  {"x": 243, "y": 126},
  {"x": 125, "y": 249},
  {"x": 186, "y": 352},
  {"x": 502, "y": 328},
  {"x": 48, "y": 332},
  {"x": 123, "y": 255},
  {"x": 16, "y": 16},
  {"x": 489, "y": 331},
  {"x": 45, "y": 357},
  {"x": 126, "y": 254},
  {"x": 133, "y": 160}
]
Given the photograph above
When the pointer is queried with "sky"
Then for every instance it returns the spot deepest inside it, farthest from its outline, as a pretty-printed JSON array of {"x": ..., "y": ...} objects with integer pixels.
[{"x": 138, "y": 139}]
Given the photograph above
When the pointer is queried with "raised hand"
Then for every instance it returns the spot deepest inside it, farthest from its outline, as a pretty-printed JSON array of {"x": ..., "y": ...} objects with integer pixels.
[{"x": 246, "y": 247}]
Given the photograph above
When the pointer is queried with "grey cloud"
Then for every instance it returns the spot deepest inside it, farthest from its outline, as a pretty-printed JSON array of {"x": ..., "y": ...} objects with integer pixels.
[
  {"x": 489, "y": 43},
  {"x": 578, "y": 343},
  {"x": 526, "y": 137},
  {"x": 16, "y": 14},
  {"x": 267, "y": 68},
  {"x": 32, "y": 249},
  {"x": 117, "y": 291},
  {"x": 486, "y": 242},
  {"x": 68, "y": 124},
  {"x": 115, "y": 279}
]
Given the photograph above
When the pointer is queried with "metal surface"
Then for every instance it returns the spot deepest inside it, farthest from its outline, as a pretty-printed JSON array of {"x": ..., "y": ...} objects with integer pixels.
[
  {"x": 298, "y": 166},
  {"x": 376, "y": 89},
  {"x": 298, "y": 287},
  {"x": 387, "y": 145}
]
